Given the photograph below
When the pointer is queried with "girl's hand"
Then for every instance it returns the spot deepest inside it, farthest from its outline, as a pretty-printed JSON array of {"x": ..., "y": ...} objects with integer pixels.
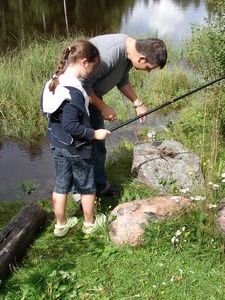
[{"x": 101, "y": 134}]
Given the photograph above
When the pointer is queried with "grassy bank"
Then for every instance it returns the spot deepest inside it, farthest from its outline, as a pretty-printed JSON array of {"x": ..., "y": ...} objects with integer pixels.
[
  {"x": 78, "y": 268},
  {"x": 23, "y": 74}
]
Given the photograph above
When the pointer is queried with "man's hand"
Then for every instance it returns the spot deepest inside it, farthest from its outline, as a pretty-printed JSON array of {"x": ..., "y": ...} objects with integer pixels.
[
  {"x": 141, "y": 110},
  {"x": 108, "y": 113}
]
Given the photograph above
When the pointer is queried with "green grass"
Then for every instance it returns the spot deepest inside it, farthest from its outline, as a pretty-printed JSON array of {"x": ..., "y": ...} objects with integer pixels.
[
  {"x": 24, "y": 73},
  {"x": 97, "y": 269},
  {"x": 7, "y": 211},
  {"x": 78, "y": 268},
  {"x": 75, "y": 267}
]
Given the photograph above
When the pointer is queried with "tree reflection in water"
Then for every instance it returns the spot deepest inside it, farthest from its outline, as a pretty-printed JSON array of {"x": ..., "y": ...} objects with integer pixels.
[{"x": 20, "y": 20}]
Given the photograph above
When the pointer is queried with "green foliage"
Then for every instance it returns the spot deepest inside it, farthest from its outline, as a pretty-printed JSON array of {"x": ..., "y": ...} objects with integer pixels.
[
  {"x": 78, "y": 268},
  {"x": 8, "y": 210},
  {"x": 94, "y": 268},
  {"x": 30, "y": 67},
  {"x": 164, "y": 267},
  {"x": 217, "y": 6},
  {"x": 206, "y": 48},
  {"x": 22, "y": 77},
  {"x": 28, "y": 186},
  {"x": 163, "y": 85}
]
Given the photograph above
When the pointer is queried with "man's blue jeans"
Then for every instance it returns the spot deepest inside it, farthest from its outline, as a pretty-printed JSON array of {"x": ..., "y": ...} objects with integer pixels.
[{"x": 99, "y": 150}]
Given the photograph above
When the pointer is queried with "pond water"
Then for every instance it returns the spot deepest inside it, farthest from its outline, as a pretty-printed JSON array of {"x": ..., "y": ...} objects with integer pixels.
[
  {"x": 23, "y": 168},
  {"x": 21, "y": 20}
]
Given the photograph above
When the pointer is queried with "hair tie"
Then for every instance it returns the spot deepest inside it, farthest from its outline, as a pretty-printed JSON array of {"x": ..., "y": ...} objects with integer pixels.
[
  {"x": 54, "y": 76},
  {"x": 69, "y": 48}
]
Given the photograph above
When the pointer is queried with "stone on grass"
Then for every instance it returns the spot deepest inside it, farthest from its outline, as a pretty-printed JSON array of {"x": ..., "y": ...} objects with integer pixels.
[
  {"x": 167, "y": 165},
  {"x": 221, "y": 217},
  {"x": 132, "y": 217}
]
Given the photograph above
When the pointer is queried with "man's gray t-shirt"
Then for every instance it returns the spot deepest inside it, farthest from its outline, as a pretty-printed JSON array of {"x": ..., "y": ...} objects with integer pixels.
[{"x": 114, "y": 67}]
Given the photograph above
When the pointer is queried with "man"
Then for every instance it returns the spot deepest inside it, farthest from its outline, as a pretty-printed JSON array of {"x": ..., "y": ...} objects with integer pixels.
[{"x": 119, "y": 53}]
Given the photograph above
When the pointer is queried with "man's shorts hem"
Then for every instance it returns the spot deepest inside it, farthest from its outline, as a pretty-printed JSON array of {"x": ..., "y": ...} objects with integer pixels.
[
  {"x": 82, "y": 192},
  {"x": 62, "y": 191},
  {"x": 87, "y": 192}
]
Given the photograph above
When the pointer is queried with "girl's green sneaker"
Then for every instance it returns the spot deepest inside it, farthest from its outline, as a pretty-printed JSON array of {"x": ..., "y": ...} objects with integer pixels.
[{"x": 61, "y": 230}]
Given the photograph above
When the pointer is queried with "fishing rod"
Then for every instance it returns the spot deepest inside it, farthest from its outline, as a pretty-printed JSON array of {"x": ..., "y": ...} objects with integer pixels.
[{"x": 116, "y": 127}]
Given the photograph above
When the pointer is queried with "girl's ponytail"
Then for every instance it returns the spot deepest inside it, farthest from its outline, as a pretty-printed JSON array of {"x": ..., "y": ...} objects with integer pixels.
[
  {"x": 80, "y": 49},
  {"x": 60, "y": 70}
]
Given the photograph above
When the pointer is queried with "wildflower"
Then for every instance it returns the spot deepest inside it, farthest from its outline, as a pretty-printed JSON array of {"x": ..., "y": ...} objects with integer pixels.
[
  {"x": 175, "y": 198},
  {"x": 223, "y": 180},
  {"x": 210, "y": 183},
  {"x": 174, "y": 240},
  {"x": 160, "y": 264},
  {"x": 172, "y": 278},
  {"x": 163, "y": 283},
  {"x": 184, "y": 191},
  {"x": 215, "y": 187},
  {"x": 212, "y": 206},
  {"x": 178, "y": 233},
  {"x": 154, "y": 286},
  {"x": 183, "y": 228},
  {"x": 223, "y": 175},
  {"x": 198, "y": 198}
]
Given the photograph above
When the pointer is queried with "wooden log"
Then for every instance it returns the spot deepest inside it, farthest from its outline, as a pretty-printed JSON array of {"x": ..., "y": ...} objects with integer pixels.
[{"x": 18, "y": 234}]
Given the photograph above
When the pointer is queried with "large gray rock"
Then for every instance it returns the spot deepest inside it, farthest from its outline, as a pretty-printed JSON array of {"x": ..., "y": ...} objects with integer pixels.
[
  {"x": 132, "y": 217},
  {"x": 167, "y": 165}
]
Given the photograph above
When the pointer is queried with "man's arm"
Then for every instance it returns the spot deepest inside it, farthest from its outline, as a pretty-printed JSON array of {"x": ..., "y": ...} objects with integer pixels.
[
  {"x": 129, "y": 92},
  {"x": 107, "y": 112}
]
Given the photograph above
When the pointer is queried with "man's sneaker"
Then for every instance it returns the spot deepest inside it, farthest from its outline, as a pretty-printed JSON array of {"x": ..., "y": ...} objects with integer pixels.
[
  {"x": 100, "y": 221},
  {"x": 61, "y": 230},
  {"x": 109, "y": 191},
  {"x": 76, "y": 198}
]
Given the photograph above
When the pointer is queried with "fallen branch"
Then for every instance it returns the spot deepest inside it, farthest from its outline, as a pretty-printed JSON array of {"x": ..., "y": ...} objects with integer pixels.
[{"x": 18, "y": 234}]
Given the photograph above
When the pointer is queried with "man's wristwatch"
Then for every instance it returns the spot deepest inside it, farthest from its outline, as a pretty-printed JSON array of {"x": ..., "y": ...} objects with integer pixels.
[{"x": 137, "y": 103}]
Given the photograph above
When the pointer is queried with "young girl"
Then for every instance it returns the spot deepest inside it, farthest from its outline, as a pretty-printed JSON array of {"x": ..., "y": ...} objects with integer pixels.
[{"x": 65, "y": 103}]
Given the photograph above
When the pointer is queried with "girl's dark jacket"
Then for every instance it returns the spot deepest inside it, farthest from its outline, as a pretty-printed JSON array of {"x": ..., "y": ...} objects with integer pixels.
[{"x": 68, "y": 115}]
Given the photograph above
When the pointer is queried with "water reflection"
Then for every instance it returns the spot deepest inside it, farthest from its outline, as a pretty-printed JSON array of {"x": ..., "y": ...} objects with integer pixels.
[
  {"x": 167, "y": 18},
  {"x": 22, "y": 19}
]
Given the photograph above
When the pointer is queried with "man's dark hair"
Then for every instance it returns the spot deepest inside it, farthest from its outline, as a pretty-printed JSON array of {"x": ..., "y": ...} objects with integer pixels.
[{"x": 154, "y": 50}]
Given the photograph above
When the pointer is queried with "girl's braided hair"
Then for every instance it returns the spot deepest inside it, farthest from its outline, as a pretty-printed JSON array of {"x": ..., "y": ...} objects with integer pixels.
[{"x": 80, "y": 49}]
